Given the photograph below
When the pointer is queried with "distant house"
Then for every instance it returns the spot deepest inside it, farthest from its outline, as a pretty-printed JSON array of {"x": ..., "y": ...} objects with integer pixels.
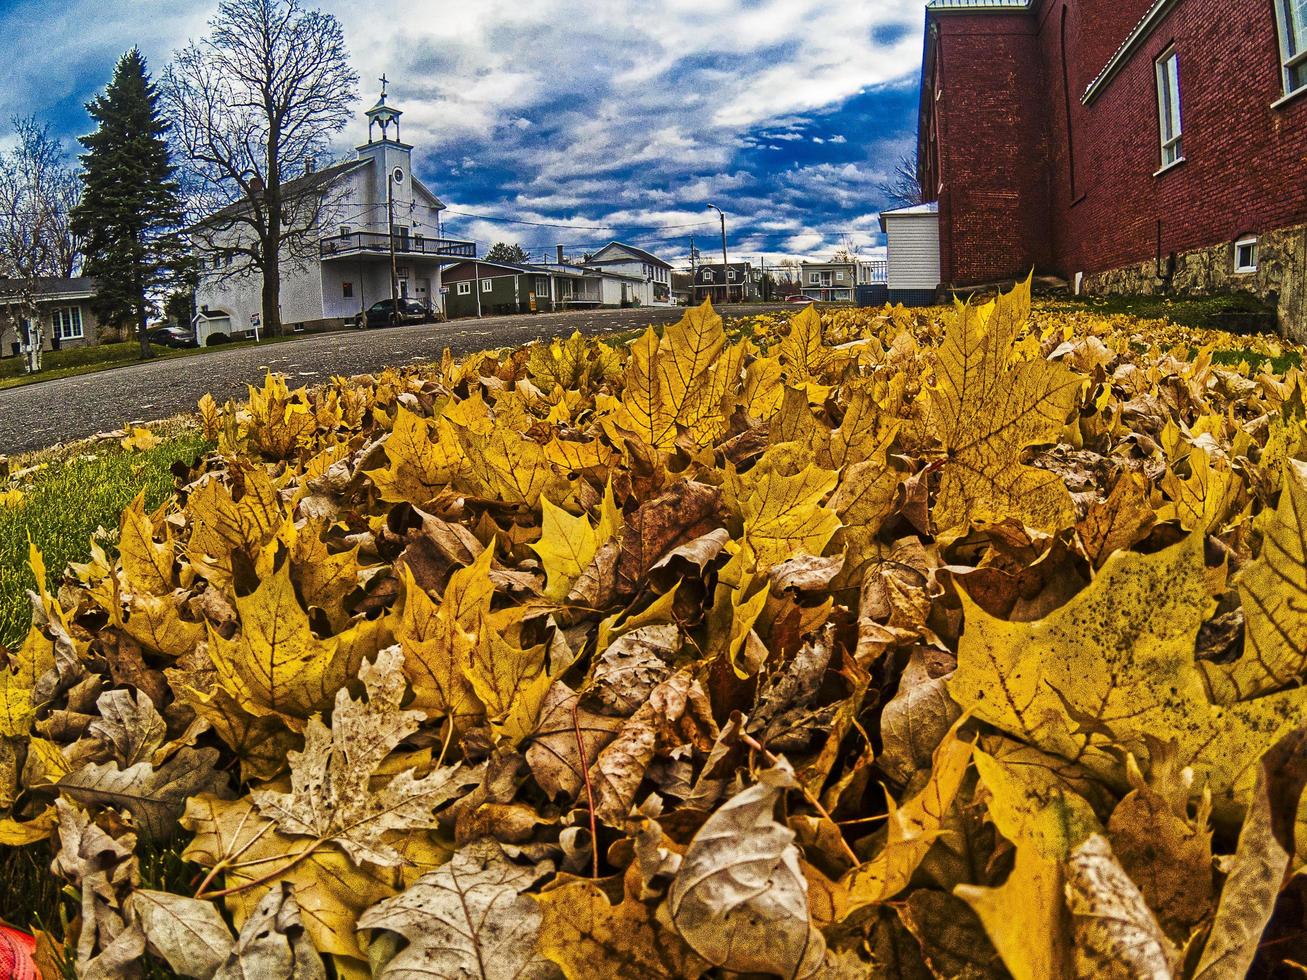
[
  {"x": 742, "y": 283},
  {"x": 913, "y": 235},
  {"x": 63, "y": 312},
  {"x": 351, "y": 269},
  {"x": 682, "y": 288},
  {"x": 828, "y": 282},
  {"x": 480, "y": 288},
  {"x": 653, "y": 274}
]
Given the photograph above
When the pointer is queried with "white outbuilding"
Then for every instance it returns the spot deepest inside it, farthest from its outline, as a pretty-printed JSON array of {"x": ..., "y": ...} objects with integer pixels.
[{"x": 913, "y": 246}]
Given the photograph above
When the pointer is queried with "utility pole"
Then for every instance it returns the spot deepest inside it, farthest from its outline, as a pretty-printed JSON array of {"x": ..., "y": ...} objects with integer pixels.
[
  {"x": 762, "y": 283},
  {"x": 694, "y": 272},
  {"x": 725, "y": 262},
  {"x": 476, "y": 285}
]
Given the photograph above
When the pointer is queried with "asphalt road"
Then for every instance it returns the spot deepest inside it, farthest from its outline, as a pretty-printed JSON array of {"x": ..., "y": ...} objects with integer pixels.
[{"x": 68, "y": 409}]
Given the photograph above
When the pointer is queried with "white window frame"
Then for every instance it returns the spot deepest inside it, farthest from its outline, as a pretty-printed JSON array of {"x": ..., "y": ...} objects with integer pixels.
[
  {"x": 487, "y": 285},
  {"x": 1293, "y": 45},
  {"x": 707, "y": 275},
  {"x": 542, "y": 281},
  {"x": 1170, "y": 109},
  {"x": 814, "y": 279},
  {"x": 465, "y": 288},
  {"x": 730, "y": 275},
  {"x": 67, "y": 321},
  {"x": 839, "y": 276},
  {"x": 1249, "y": 241}
]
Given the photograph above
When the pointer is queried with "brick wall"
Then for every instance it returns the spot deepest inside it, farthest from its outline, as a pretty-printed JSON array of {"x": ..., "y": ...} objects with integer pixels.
[
  {"x": 1010, "y": 132},
  {"x": 991, "y": 125}
]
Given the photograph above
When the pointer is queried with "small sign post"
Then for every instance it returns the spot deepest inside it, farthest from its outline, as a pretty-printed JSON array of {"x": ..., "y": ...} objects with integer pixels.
[{"x": 255, "y": 320}]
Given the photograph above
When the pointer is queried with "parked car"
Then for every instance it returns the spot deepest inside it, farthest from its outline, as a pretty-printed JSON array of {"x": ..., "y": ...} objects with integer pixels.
[
  {"x": 799, "y": 298},
  {"x": 172, "y": 336},
  {"x": 382, "y": 314}
]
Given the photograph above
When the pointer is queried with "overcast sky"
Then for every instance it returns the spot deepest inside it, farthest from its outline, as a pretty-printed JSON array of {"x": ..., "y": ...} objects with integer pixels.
[{"x": 615, "y": 118}]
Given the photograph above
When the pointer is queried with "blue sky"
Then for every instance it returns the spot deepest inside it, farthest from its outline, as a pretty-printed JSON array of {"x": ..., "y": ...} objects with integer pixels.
[{"x": 612, "y": 118}]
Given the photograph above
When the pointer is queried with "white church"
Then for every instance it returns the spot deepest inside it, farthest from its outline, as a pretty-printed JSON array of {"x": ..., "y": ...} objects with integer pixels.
[{"x": 367, "y": 201}]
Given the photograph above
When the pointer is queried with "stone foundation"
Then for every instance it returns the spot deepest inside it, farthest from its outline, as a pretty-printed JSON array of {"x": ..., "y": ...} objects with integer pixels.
[{"x": 1280, "y": 279}]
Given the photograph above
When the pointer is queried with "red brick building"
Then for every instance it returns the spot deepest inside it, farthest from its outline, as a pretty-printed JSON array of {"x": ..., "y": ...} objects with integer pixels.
[{"x": 1127, "y": 145}]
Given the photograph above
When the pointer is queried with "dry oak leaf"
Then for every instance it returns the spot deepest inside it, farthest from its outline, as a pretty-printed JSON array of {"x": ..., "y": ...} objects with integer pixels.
[
  {"x": 469, "y": 919},
  {"x": 187, "y": 933},
  {"x": 1114, "y": 666},
  {"x": 273, "y": 943},
  {"x": 554, "y": 754},
  {"x": 275, "y": 665},
  {"x": 438, "y": 638},
  {"x": 332, "y": 796},
  {"x": 988, "y": 406},
  {"x": 740, "y": 898},
  {"x": 154, "y": 796},
  {"x": 1273, "y": 591},
  {"x": 588, "y": 936},
  {"x": 253, "y": 857},
  {"x": 1262, "y": 861},
  {"x": 1115, "y": 932}
]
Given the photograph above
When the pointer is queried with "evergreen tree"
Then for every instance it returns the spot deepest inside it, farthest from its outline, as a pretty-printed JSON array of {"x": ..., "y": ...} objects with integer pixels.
[
  {"x": 505, "y": 252},
  {"x": 130, "y": 216}
]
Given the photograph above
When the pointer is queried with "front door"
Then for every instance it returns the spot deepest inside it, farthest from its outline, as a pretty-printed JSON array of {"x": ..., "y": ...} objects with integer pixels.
[
  {"x": 403, "y": 289},
  {"x": 424, "y": 292}
]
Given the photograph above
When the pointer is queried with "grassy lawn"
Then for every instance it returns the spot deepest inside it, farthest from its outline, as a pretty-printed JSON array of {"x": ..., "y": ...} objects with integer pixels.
[
  {"x": 66, "y": 502},
  {"x": 1235, "y": 312},
  {"x": 101, "y": 357}
]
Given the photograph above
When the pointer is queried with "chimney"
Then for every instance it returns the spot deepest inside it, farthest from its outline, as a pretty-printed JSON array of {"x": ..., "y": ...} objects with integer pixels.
[
  {"x": 310, "y": 165},
  {"x": 558, "y": 254}
]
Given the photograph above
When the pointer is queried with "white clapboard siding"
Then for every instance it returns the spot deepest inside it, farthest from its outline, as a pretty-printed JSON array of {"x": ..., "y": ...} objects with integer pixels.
[{"x": 913, "y": 250}]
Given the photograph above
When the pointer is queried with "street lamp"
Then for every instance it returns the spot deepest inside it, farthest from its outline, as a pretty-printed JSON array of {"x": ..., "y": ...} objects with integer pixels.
[{"x": 725, "y": 272}]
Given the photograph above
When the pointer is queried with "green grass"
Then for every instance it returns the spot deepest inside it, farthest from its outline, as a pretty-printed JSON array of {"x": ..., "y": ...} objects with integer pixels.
[
  {"x": 1236, "y": 312},
  {"x": 66, "y": 502},
  {"x": 102, "y": 357},
  {"x": 1256, "y": 361}
]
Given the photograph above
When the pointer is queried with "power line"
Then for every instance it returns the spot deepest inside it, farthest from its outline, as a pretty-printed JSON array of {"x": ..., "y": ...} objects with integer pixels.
[{"x": 559, "y": 224}]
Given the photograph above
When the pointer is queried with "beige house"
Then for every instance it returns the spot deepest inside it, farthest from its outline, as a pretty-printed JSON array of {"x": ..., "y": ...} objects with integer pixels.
[{"x": 63, "y": 312}]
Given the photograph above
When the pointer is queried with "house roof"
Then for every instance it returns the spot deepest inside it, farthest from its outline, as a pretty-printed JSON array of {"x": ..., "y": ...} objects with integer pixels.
[
  {"x": 914, "y": 211},
  {"x": 319, "y": 178},
  {"x": 637, "y": 252},
  {"x": 1147, "y": 24},
  {"x": 51, "y": 287}
]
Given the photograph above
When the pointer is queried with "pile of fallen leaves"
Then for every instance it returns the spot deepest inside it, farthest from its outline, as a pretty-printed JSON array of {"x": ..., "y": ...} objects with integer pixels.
[{"x": 880, "y": 642}]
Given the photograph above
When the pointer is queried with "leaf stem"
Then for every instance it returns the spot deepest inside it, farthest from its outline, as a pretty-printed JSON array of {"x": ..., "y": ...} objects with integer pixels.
[
  {"x": 757, "y": 746},
  {"x": 589, "y": 790}
]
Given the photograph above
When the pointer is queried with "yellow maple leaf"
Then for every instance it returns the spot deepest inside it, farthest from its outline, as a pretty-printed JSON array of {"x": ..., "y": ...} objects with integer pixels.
[
  {"x": 139, "y": 439},
  {"x": 275, "y": 665},
  {"x": 1273, "y": 590},
  {"x": 1116, "y": 665},
  {"x": 438, "y": 638},
  {"x": 510, "y": 682},
  {"x": 988, "y": 407},
  {"x": 508, "y": 466},
  {"x": 422, "y": 460},
  {"x": 802, "y": 351},
  {"x": 784, "y": 515},
  {"x": 147, "y": 564},
  {"x": 567, "y": 545}
]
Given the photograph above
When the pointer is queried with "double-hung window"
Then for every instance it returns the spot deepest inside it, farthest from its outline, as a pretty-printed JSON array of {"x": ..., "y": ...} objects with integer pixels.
[
  {"x": 707, "y": 275},
  {"x": 1168, "y": 108},
  {"x": 1292, "y": 15},
  {"x": 68, "y": 323},
  {"x": 464, "y": 289},
  {"x": 487, "y": 285}
]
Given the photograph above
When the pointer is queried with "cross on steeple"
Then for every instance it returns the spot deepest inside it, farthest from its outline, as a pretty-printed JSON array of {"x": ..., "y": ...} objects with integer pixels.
[{"x": 384, "y": 83}]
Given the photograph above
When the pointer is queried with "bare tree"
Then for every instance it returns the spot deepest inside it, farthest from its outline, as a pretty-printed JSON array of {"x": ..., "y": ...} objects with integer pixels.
[
  {"x": 903, "y": 186},
  {"x": 847, "y": 250},
  {"x": 38, "y": 188},
  {"x": 260, "y": 96}
]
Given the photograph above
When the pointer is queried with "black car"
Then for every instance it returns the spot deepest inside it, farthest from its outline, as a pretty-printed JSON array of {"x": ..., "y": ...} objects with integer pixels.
[
  {"x": 382, "y": 314},
  {"x": 172, "y": 336}
]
